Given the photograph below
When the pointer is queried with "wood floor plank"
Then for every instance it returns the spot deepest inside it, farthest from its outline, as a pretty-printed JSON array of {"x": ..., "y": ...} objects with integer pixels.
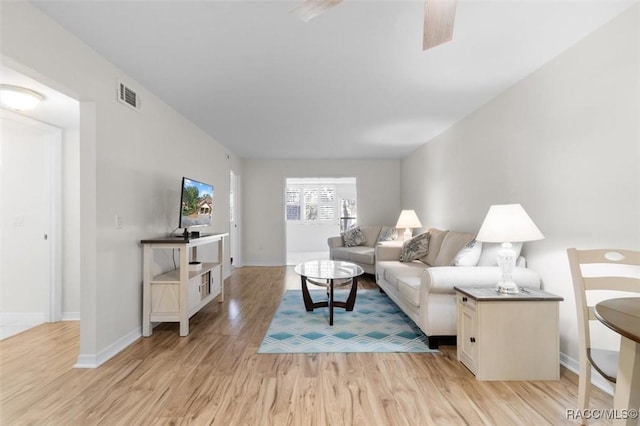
[{"x": 215, "y": 376}]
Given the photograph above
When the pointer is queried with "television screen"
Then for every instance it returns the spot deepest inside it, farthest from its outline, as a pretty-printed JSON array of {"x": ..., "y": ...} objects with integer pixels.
[{"x": 196, "y": 203}]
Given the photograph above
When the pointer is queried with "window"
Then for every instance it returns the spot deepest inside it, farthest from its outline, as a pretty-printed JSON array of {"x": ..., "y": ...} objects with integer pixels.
[
  {"x": 292, "y": 199},
  {"x": 348, "y": 214},
  {"x": 311, "y": 203}
]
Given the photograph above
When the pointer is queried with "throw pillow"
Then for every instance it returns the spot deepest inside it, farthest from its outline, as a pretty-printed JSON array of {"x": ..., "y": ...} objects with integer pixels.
[
  {"x": 388, "y": 233},
  {"x": 489, "y": 256},
  {"x": 469, "y": 255},
  {"x": 353, "y": 237},
  {"x": 452, "y": 243},
  {"x": 435, "y": 241},
  {"x": 415, "y": 248}
]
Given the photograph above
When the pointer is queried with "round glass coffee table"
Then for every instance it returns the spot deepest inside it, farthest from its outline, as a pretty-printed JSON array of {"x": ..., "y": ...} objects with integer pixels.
[{"x": 330, "y": 274}]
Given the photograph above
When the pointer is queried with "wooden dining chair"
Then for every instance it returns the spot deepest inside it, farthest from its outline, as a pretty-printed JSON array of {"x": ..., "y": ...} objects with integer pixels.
[{"x": 604, "y": 361}]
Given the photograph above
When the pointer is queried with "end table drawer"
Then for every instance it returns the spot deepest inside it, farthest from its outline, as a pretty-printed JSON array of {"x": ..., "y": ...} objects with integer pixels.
[{"x": 466, "y": 301}]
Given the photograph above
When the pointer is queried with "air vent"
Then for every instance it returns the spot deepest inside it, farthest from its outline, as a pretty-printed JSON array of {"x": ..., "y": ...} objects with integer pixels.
[{"x": 128, "y": 97}]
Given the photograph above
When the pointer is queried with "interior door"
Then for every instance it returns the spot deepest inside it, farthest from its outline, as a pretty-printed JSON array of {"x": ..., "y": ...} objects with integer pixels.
[
  {"x": 28, "y": 228},
  {"x": 234, "y": 222}
]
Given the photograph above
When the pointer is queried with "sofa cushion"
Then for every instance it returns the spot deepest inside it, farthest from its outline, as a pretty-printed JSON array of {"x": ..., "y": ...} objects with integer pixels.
[
  {"x": 489, "y": 256},
  {"x": 415, "y": 248},
  {"x": 452, "y": 243},
  {"x": 353, "y": 237},
  {"x": 435, "y": 241},
  {"x": 409, "y": 289},
  {"x": 341, "y": 253},
  {"x": 362, "y": 254},
  {"x": 370, "y": 234},
  {"x": 469, "y": 254},
  {"x": 392, "y": 270}
]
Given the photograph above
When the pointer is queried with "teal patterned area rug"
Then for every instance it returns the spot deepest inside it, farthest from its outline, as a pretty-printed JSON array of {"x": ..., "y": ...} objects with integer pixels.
[{"x": 376, "y": 324}]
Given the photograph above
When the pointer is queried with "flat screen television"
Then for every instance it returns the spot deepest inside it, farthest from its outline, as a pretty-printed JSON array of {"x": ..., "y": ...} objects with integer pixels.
[{"x": 196, "y": 204}]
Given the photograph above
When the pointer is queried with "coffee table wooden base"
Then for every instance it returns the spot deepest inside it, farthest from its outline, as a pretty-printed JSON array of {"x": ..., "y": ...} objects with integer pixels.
[{"x": 310, "y": 305}]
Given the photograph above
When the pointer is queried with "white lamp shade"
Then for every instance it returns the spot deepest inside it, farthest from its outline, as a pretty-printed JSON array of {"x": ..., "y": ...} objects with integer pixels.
[
  {"x": 508, "y": 223},
  {"x": 408, "y": 219}
]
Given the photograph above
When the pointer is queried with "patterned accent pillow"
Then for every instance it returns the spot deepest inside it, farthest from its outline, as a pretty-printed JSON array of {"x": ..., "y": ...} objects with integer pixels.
[
  {"x": 353, "y": 237},
  {"x": 415, "y": 248},
  {"x": 388, "y": 234}
]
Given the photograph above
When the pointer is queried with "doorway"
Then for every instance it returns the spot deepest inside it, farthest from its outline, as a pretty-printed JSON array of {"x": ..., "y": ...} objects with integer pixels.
[
  {"x": 58, "y": 116},
  {"x": 316, "y": 209}
]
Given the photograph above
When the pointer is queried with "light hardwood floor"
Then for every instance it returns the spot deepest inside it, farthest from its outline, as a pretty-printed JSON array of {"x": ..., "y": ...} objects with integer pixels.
[{"x": 214, "y": 376}]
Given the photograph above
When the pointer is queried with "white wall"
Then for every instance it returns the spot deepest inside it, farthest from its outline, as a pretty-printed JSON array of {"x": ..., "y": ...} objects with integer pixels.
[
  {"x": 310, "y": 237},
  {"x": 71, "y": 223},
  {"x": 564, "y": 142},
  {"x": 131, "y": 163},
  {"x": 378, "y": 189}
]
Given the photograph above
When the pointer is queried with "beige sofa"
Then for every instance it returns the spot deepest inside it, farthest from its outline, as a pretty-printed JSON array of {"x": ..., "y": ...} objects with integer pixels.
[
  {"x": 423, "y": 288},
  {"x": 363, "y": 255}
]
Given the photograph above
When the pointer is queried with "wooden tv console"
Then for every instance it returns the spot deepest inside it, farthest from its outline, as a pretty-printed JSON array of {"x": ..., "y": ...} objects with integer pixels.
[{"x": 176, "y": 295}]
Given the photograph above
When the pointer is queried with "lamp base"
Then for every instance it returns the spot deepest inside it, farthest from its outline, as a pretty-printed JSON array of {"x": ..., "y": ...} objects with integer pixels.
[
  {"x": 507, "y": 263},
  {"x": 408, "y": 233}
]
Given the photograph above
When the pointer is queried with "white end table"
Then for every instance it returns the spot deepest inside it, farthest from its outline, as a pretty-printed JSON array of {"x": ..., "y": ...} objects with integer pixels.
[{"x": 508, "y": 336}]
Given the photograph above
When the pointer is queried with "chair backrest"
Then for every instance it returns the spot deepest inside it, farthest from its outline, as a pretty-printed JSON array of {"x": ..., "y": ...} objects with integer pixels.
[{"x": 608, "y": 280}]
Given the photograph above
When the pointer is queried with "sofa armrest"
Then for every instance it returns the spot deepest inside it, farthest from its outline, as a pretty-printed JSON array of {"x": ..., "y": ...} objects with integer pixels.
[
  {"x": 335, "y": 242},
  {"x": 442, "y": 279},
  {"x": 388, "y": 251}
]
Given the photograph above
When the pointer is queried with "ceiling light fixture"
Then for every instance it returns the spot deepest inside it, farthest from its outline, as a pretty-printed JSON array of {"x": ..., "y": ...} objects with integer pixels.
[{"x": 19, "y": 98}]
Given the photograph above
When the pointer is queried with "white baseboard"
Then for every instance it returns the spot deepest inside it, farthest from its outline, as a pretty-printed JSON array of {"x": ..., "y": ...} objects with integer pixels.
[
  {"x": 20, "y": 319},
  {"x": 596, "y": 379},
  {"x": 95, "y": 361},
  {"x": 71, "y": 316},
  {"x": 11, "y": 319}
]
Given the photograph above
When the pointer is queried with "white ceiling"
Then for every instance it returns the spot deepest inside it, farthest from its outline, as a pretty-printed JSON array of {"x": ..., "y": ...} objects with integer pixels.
[{"x": 354, "y": 83}]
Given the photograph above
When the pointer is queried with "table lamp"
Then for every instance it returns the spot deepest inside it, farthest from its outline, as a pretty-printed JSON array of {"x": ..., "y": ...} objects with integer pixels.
[
  {"x": 408, "y": 219},
  {"x": 506, "y": 224}
]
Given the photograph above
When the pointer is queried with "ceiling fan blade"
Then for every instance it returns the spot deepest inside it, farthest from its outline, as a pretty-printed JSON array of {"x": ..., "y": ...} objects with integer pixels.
[
  {"x": 438, "y": 22},
  {"x": 309, "y": 9}
]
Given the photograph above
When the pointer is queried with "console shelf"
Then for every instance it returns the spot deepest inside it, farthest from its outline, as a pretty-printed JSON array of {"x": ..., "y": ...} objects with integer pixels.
[
  {"x": 174, "y": 275},
  {"x": 178, "y": 294}
]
